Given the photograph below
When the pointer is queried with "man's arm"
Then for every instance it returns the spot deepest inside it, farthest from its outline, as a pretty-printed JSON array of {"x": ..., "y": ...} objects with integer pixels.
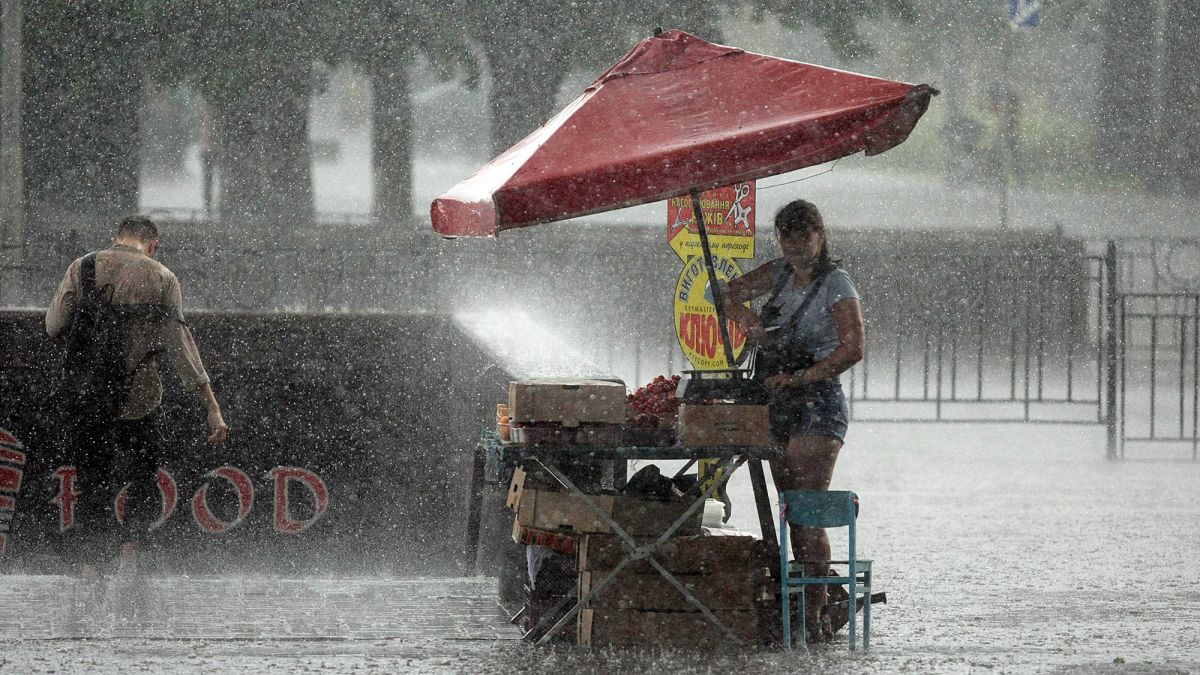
[
  {"x": 185, "y": 358},
  {"x": 218, "y": 430},
  {"x": 58, "y": 316}
]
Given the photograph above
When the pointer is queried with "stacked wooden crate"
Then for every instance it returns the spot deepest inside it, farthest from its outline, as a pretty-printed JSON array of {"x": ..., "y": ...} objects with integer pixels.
[
  {"x": 540, "y": 506},
  {"x": 729, "y": 575}
]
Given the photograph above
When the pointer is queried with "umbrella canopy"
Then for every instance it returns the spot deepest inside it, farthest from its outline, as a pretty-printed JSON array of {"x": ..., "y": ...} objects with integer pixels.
[{"x": 675, "y": 114}]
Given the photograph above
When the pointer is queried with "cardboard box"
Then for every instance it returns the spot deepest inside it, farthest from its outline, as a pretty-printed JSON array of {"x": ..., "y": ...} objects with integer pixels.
[
  {"x": 523, "y": 479},
  {"x": 598, "y": 627},
  {"x": 730, "y": 424},
  {"x": 735, "y": 589},
  {"x": 558, "y": 542},
  {"x": 562, "y": 511},
  {"x": 680, "y": 555},
  {"x": 566, "y": 401}
]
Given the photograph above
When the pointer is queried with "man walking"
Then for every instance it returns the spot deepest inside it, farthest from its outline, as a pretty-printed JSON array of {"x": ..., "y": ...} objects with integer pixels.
[{"x": 117, "y": 444}]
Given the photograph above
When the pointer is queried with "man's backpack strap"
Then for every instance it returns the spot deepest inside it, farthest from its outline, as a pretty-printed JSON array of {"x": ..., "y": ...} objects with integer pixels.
[{"x": 87, "y": 276}]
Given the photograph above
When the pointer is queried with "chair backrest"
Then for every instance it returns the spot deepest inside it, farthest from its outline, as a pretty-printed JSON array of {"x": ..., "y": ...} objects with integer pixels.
[{"x": 819, "y": 508}]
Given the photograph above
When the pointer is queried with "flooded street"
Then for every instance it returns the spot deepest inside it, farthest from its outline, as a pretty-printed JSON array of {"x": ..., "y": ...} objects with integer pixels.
[
  {"x": 1002, "y": 200},
  {"x": 1002, "y": 548}
]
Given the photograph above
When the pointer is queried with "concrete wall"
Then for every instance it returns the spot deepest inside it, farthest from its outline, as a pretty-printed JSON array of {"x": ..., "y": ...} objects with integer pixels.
[
  {"x": 607, "y": 290},
  {"x": 386, "y": 409}
]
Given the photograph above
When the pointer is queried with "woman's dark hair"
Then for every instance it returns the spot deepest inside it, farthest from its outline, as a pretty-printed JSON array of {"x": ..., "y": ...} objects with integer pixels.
[{"x": 799, "y": 218}]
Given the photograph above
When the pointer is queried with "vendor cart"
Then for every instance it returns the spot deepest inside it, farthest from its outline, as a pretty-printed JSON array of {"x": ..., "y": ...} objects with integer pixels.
[
  {"x": 510, "y": 456},
  {"x": 676, "y": 115}
]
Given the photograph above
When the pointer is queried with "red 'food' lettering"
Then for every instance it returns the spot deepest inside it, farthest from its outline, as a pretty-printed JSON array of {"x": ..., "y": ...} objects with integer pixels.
[
  {"x": 204, "y": 516},
  {"x": 66, "y": 497},
  {"x": 167, "y": 490},
  {"x": 202, "y": 513},
  {"x": 10, "y": 479},
  {"x": 284, "y": 522}
]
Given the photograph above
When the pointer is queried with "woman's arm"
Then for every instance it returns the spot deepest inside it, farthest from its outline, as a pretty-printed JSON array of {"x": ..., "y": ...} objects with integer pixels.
[
  {"x": 852, "y": 335},
  {"x": 758, "y": 281}
]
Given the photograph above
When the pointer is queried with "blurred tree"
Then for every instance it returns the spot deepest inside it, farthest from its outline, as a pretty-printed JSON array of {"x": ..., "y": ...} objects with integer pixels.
[
  {"x": 253, "y": 63},
  {"x": 836, "y": 19},
  {"x": 1124, "y": 117},
  {"x": 532, "y": 46},
  {"x": 82, "y": 85},
  {"x": 1180, "y": 126},
  {"x": 385, "y": 37}
]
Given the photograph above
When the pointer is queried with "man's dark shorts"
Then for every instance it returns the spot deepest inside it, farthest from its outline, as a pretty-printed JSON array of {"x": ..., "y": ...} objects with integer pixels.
[{"x": 109, "y": 455}]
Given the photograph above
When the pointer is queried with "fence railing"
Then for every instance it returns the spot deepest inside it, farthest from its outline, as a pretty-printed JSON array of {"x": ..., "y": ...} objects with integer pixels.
[{"x": 1160, "y": 369}]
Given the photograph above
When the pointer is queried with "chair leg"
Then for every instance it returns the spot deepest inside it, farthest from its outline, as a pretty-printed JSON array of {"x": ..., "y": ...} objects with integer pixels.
[
  {"x": 867, "y": 612},
  {"x": 785, "y": 594},
  {"x": 853, "y": 599},
  {"x": 803, "y": 615},
  {"x": 787, "y": 613}
]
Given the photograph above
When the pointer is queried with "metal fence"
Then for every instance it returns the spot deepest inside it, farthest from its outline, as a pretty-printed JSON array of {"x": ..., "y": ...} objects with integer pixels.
[
  {"x": 1129, "y": 359},
  {"x": 1001, "y": 370},
  {"x": 1159, "y": 399}
]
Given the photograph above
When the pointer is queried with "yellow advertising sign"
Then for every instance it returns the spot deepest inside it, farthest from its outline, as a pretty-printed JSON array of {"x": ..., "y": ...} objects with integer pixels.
[
  {"x": 696, "y": 317},
  {"x": 728, "y": 220}
]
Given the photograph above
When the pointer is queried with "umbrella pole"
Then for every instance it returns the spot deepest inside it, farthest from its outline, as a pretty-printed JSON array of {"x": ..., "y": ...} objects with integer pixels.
[{"x": 712, "y": 278}]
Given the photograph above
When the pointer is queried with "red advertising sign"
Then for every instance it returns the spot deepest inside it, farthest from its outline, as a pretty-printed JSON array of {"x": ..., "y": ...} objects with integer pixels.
[{"x": 728, "y": 218}]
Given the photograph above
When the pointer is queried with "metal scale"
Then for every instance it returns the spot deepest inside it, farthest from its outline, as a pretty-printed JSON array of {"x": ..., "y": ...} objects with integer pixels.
[{"x": 731, "y": 385}]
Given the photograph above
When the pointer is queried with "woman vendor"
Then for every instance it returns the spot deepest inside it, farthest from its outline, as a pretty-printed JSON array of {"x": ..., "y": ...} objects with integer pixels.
[{"x": 810, "y": 330}]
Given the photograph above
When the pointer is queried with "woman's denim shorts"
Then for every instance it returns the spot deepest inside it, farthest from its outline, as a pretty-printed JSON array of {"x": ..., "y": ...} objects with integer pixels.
[{"x": 816, "y": 410}]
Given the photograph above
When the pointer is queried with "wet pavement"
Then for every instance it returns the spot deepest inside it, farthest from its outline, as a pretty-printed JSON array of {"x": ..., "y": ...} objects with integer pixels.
[{"x": 1003, "y": 548}]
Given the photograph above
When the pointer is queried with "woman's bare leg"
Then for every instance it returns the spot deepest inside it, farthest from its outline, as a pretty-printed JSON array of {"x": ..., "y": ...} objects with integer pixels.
[{"x": 808, "y": 465}]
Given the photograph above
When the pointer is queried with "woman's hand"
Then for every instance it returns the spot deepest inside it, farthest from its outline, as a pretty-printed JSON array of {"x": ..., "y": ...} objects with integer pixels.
[
  {"x": 750, "y": 324},
  {"x": 780, "y": 381}
]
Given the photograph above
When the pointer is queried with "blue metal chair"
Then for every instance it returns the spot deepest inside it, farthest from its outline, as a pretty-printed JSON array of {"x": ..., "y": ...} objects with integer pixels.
[{"x": 824, "y": 509}]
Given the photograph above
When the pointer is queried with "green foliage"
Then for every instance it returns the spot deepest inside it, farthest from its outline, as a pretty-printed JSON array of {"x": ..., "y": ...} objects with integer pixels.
[{"x": 837, "y": 19}]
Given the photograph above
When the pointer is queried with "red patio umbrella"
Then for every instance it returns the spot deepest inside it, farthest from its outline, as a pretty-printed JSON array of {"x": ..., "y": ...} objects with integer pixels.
[{"x": 676, "y": 115}]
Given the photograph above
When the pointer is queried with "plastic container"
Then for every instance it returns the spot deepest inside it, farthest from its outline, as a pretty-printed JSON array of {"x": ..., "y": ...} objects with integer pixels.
[
  {"x": 714, "y": 512},
  {"x": 503, "y": 423}
]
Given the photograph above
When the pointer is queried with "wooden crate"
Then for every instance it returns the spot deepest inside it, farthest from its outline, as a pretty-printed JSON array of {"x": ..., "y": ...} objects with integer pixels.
[
  {"x": 681, "y": 555},
  {"x": 566, "y": 401},
  {"x": 724, "y": 424},
  {"x": 742, "y": 589},
  {"x": 562, "y": 511},
  {"x": 598, "y": 627}
]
